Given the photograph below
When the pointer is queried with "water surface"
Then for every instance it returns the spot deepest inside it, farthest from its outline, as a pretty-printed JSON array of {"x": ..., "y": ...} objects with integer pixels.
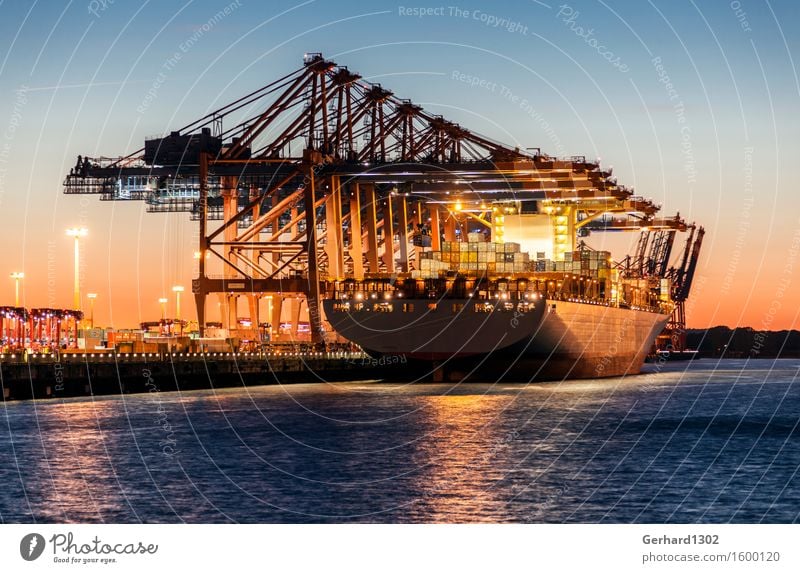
[{"x": 706, "y": 441}]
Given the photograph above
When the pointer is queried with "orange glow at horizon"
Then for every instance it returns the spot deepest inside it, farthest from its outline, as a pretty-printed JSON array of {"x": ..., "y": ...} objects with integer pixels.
[{"x": 131, "y": 276}]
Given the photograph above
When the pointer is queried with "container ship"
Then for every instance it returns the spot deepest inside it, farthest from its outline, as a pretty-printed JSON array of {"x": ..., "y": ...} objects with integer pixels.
[{"x": 480, "y": 307}]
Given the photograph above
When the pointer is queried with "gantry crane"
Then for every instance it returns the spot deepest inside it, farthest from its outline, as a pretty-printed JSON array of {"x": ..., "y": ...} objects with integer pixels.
[{"x": 321, "y": 175}]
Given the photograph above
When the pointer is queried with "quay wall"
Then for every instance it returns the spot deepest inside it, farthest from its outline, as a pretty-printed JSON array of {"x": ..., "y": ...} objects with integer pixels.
[{"x": 71, "y": 375}]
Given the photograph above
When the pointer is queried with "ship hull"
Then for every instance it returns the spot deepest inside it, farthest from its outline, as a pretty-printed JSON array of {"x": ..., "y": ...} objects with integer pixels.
[
  {"x": 430, "y": 330},
  {"x": 554, "y": 340},
  {"x": 579, "y": 340}
]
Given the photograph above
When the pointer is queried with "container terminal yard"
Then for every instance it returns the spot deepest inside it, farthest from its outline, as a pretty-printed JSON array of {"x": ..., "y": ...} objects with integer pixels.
[{"x": 341, "y": 227}]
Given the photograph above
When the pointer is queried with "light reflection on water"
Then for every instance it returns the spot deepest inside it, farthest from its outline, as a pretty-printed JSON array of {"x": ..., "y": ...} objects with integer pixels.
[{"x": 692, "y": 442}]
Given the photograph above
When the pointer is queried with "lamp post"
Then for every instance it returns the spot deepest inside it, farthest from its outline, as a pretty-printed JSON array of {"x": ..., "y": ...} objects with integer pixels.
[
  {"x": 91, "y": 296},
  {"x": 77, "y": 233},
  {"x": 17, "y": 277},
  {"x": 178, "y": 290}
]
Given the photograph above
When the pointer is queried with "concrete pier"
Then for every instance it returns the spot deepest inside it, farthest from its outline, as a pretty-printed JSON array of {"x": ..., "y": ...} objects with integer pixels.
[{"x": 70, "y": 375}]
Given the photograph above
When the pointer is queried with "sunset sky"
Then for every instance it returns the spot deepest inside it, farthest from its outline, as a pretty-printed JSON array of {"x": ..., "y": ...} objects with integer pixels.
[{"x": 722, "y": 147}]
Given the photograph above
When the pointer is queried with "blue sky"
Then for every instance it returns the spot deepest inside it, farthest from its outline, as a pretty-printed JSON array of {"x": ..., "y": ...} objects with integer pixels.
[{"x": 586, "y": 70}]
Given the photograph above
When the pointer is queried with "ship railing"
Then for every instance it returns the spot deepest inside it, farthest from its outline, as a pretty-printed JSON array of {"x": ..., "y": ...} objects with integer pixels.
[
  {"x": 112, "y": 356},
  {"x": 572, "y": 297}
]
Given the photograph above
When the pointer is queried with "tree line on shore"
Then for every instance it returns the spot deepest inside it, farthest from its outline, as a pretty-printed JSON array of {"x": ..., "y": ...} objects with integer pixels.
[{"x": 747, "y": 342}]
